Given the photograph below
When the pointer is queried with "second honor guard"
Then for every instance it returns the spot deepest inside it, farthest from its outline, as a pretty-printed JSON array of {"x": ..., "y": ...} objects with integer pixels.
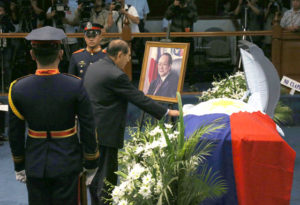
[
  {"x": 50, "y": 159},
  {"x": 82, "y": 58}
]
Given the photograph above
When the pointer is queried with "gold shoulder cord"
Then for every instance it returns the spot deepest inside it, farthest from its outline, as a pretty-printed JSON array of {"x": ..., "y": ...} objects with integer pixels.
[{"x": 11, "y": 104}]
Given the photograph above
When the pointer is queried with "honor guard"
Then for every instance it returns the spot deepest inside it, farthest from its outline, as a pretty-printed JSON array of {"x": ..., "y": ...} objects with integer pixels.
[
  {"x": 82, "y": 58},
  {"x": 52, "y": 156}
]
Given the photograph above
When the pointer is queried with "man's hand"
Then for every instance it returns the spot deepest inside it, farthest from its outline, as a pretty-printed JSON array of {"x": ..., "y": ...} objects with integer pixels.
[
  {"x": 90, "y": 174},
  {"x": 173, "y": 113},
  {"x": 21, "y": 176}
]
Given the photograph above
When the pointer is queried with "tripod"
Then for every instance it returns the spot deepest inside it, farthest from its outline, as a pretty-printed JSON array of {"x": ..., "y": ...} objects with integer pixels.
[{"x": 245, "y": 28}]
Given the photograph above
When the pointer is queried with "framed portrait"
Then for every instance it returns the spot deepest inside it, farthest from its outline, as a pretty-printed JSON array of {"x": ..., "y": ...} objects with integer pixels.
[{"x": 163, "y": 70}]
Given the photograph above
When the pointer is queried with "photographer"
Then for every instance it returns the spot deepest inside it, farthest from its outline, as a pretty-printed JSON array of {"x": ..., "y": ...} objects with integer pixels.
[
  {"x": 183, "y": 14},
  {"x": 119, "y": 11},
  {"x": 63, "y": 16},
  {"x": 28, "y": 14},
  {"x": 273, "y": 8},
  {"x": 6, "y": 26},
  {"x": 249, "y": 11},
  {"x": 142, "y": 8}
]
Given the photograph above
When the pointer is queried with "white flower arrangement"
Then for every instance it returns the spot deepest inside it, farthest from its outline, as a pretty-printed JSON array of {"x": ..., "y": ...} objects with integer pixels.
[
  {"x": 233, "y": 86},
  {"x": 158, "y": 166}
]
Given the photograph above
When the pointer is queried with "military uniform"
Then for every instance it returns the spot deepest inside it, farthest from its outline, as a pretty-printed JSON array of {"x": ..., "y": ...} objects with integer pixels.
[
  {"x": 51, "y": 154},
  {"x": 81, "y": 59}
]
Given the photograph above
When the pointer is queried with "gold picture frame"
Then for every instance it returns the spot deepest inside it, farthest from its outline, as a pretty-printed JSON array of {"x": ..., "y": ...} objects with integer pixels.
[{"x": 161, "y": 78}]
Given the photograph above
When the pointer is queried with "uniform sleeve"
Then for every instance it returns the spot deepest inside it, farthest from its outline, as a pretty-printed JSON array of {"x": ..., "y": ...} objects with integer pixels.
[
  {"x": 16, "y": 132},
  {"x": 124, "y": 88},
  {"x": 87, "y": 130},
  {"x": 72, "y": 66}
]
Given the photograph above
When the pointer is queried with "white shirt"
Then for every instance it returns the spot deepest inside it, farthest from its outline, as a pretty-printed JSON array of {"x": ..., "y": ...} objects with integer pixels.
[
  {"x": 132, "y": 11},
  {"x": 140, "y": 5},
  {"x": 70, "y": 15}
]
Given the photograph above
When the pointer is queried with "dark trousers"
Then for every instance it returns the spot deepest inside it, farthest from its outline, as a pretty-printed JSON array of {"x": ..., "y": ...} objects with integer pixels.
[
  {"x": 108, "y": 165},
  {"x": 53, "y": 191}
]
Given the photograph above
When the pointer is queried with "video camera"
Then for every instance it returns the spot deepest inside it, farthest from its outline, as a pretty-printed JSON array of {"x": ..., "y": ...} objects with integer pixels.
[
  {"x": 59, "y": 6},
  {"x": 87, "y": 6},
  {"x": 118, "y": 5}
]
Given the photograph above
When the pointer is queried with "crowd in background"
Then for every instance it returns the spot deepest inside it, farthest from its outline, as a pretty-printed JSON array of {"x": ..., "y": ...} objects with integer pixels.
[{"x": 70, "y": 15}]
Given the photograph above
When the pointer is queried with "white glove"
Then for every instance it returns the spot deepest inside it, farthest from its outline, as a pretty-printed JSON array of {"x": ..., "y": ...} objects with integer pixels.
[
  {"x": 90, "y": 174},
  {"x": 21, "y": 176}
]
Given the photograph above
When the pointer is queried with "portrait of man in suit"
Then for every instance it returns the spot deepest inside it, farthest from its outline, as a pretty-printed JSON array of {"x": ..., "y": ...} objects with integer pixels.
[{"x": 166, "y": 82}]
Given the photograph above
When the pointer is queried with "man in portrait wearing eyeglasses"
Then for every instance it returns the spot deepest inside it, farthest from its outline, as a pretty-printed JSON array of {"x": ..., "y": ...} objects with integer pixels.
[{"x": 166, "y": 82}]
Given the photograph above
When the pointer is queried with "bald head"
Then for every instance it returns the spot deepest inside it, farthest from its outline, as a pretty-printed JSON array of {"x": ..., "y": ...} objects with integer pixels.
[{"x": 116, "y": 46}]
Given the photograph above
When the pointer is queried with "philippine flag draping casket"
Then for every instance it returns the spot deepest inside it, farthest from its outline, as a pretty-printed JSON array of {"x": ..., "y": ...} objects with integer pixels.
[{"x": 256, "y": 163}]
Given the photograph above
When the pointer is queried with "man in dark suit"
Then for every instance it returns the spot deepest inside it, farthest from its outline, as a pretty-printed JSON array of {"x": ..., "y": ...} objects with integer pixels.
[
  {"x": 110, "y": 90},
  {"x": 167, "y": 82},
  {"x": 51, "y": 159}
]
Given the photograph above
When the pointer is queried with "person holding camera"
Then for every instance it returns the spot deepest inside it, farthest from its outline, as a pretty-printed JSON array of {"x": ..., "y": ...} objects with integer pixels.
[
  {"x": 82, "y": 58},
  {"x": 142, "y": 8},
  {"x": 251, "y": 16},
  {"x": 119, "y": 11},
  {"x": 291, "y": 18},
  {"x": 183, "y": 14},
  {"x": 63, "y": 16},
  {"x": 274, "y": 8}
]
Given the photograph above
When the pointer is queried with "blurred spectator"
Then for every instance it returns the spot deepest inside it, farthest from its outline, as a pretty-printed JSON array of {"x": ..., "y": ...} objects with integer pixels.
[
  {"x": 291, "y": 18},
  {"x": 6, "y": 26},
  {"x": 273, "y": 8},
  {"x": 99, "y": 15},
  {"x": 119, "y": 13},
  {"x": 66, "y": 20},
  {"x": 251, "y": 16},
  {"x": 226, "y": 10},
  {"x": 183, "y": 14},
  {"x": 27, "y": 14},
  {"x": 142, "y": 8}
]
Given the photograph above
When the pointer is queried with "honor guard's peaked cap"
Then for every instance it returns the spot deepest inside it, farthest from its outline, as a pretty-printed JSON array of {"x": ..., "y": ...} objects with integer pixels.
[
  {"x": 93, "y": 26},
  {"x": 46, "y": 35}
]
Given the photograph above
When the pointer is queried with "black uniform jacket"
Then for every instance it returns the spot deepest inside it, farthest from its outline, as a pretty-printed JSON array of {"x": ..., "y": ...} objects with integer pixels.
[
  {"x": 110, "y": 90},
  {"x": 81, "y": 59},
  {"x": 49, "y": 104}
]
